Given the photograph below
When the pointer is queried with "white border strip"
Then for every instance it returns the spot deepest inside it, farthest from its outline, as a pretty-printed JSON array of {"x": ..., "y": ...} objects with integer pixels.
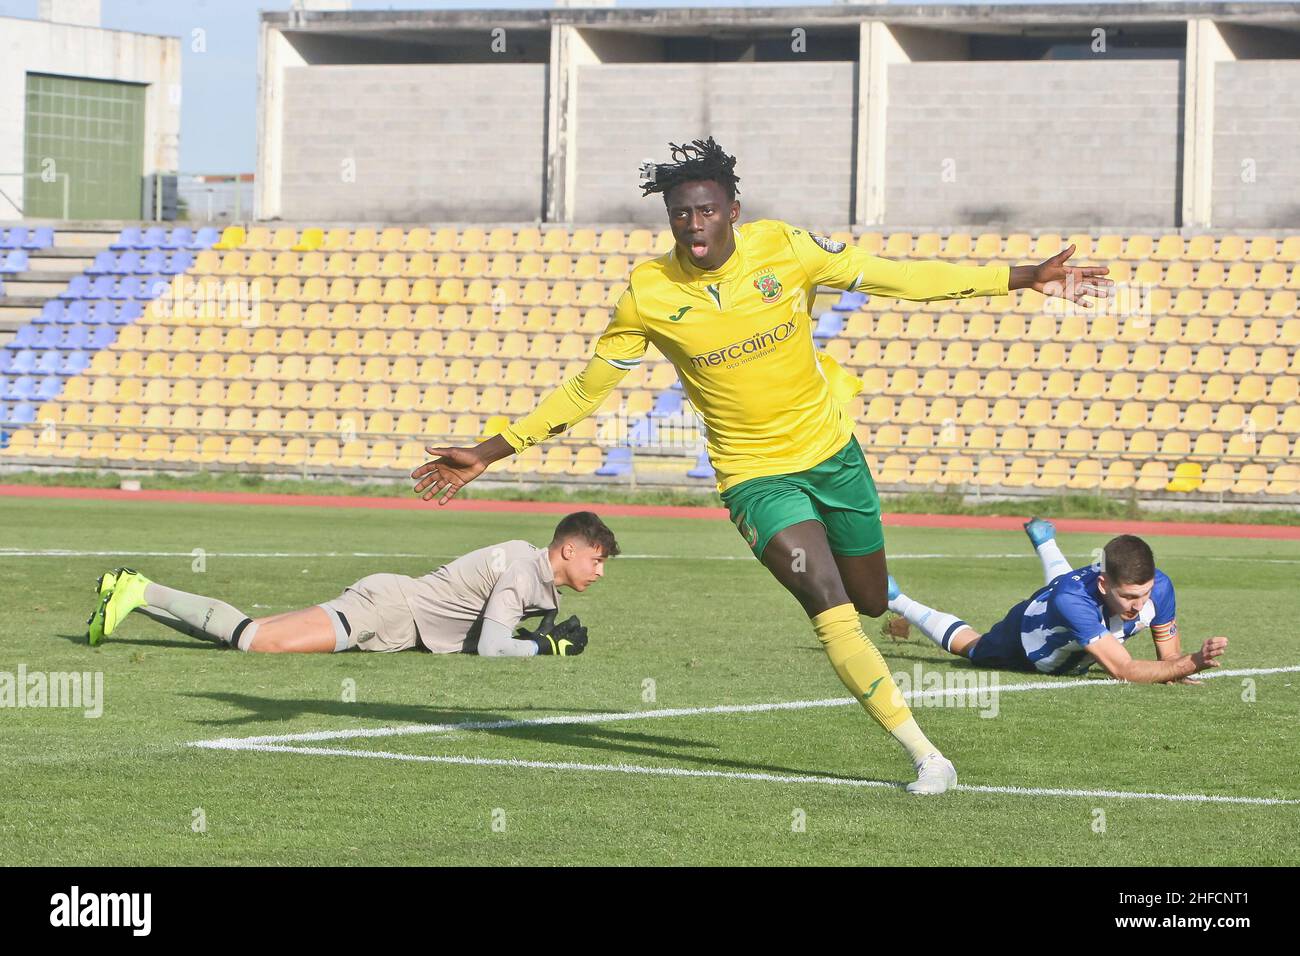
[
  {"x": 238, "y": 743},
  {"x": 760, "y": 777},
  {"x": 69, "y": 553}
]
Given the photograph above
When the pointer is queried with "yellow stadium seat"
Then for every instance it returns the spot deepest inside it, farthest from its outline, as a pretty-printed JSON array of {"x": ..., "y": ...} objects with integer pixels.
[
  {"x": 1138, "y": 247},
  {"x": 1176, "y": 359},
  {"x": 232, "y": 237},
  {"x": 1219, "y": 478},
  {"x": 1168, "y": 249},
  {"x": 1085, "y": 475},
  {"x": 1056, "y": 473},
  {"x": 1118, "y": 476},
  {"x": 1285, "y": 480},
  {"x": 1231, "y": 248}
]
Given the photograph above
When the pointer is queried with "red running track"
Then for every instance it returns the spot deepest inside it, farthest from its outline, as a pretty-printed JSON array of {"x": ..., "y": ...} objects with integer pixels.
[{"x": 969, "y": 522}]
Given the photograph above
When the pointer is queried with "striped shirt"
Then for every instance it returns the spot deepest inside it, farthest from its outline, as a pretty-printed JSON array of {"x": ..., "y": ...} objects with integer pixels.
[{"x": 1065, "y": 616}]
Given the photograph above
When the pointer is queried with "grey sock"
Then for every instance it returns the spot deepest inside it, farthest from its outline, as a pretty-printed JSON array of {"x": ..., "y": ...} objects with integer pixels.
[
  {"x": 175, "y": 623},
  {"x": 217, "y": 619}
]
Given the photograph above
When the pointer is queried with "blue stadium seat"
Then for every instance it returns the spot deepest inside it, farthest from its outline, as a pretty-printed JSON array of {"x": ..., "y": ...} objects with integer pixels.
[
  {"x": 129, "y": 312},
  {"x": 127, "y": 263},
  {"x": 94, "y": 313},
  {"x": 21, "y": 363},
  {"x": 617, "y": 462},
  {"x": 667, "y": 402},
  {"x": 23, "y": 413},
  {"x": 74, "y": 363},
  {"x": 41, "y": 238},
  {"x": 703, "y": 467},
  {"x": 102, "y": 287},
  {"x": 49, "y": 363},
  {"x": 644, "y": 432},
  {"x": 153, "y": 263},
  {"x": 152, "y": 287},
  {"x": 850, "y": 301},
  {"x": 180, "y": 262},
  {"x": 24, "y": 338},
  {"x": 15, "y": 261},
  {"x": 205, "y": 238},
  {"x": 48, "y": 336},
  {"x": 100, "y": 337},
  {"x": 829, "y": 325},
  {"x": 104, "y": 264},
  {"x": 7, "y": 357},
  {"x": 179, "y": 238},
  {"x": 78, "y": 337},
  {"x": 13, "y": 238},
  {"x": 48, "y": 388},
  {"x": 129, "y": 239},
  {"x": 153, "y": 238},
  {"x": 78, "y": 288},
  {"x": 126, "y": 288},
  {"x": 20, "y": 389}
]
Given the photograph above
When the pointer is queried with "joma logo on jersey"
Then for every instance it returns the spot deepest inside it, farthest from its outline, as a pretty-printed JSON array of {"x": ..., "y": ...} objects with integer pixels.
[
  {"x": 758, "y": 342},
  {"x": 769, "y": 285}
]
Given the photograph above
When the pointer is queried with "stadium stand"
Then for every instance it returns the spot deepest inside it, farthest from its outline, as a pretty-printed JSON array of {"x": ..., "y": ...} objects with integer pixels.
[{"x": 328, "y": 349}]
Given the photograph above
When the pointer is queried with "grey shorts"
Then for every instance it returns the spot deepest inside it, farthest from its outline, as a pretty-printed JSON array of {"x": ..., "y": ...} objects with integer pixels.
[{"x": 373, "y": 615}]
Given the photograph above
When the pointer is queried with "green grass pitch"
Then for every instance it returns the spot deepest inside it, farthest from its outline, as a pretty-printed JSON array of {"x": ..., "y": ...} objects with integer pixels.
[{"x": 688, "y": 610}]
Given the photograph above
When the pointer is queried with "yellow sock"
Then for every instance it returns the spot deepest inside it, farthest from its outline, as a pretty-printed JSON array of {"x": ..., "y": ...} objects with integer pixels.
[{"x": 864, "y": 672}]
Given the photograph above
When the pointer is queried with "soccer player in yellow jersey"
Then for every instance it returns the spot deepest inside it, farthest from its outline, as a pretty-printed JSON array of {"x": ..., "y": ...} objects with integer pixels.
[{"x": 729, "y": 307}]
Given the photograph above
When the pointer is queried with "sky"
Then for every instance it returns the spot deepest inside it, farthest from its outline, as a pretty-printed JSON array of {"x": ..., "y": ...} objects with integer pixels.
[{"x": 219, "y": 83}]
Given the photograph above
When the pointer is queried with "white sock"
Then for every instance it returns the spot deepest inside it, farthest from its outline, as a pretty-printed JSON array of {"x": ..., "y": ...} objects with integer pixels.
[
  {"x": 935, "y": 625},
  {"x": 217, "y": 619},
  {"x": 916, "y": 743},
  {"x": 1054, "y": 563}
]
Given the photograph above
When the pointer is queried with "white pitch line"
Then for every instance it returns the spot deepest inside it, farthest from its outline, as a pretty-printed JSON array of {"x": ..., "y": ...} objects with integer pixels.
[
  {"x": 759, "y": 777},
  {"x": 237, "y": 743},
  {"x": 69, "y": 553}
]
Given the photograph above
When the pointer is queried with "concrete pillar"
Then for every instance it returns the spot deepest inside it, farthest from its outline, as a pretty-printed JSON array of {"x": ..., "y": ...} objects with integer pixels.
[
  {"x": 1206, "y": 46},
  {"x": 570, "y": 49},
  {"x": 882, "y": 45},
  {"x": 275, "y": 54}
]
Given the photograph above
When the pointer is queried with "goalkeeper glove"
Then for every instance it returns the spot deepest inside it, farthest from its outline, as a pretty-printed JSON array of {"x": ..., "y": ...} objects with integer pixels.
[{"x": 567, "y": 639}]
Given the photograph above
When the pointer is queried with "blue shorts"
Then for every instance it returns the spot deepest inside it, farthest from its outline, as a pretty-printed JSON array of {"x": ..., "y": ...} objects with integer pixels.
[{"x": 1001, "y": 647}]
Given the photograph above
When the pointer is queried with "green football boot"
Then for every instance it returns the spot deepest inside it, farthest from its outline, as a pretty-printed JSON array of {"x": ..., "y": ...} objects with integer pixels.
[
  {"x": 126, "y": 596},
  {"x": 103, "y": 590}
]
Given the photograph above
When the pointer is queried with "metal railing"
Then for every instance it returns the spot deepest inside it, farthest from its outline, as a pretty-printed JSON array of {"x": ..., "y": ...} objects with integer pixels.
[{"x": 67, "y": 189}]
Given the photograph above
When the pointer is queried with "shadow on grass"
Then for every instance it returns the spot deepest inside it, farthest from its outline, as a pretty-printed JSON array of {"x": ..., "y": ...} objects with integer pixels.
[{"x": 588, "y": 736}]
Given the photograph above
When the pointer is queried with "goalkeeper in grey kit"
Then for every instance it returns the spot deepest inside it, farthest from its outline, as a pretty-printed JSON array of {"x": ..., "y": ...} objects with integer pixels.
[{"x": 473, "y": 604}]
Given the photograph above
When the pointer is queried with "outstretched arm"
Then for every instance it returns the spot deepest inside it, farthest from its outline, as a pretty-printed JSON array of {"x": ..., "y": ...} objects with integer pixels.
[
  {"x": 1120, "y": 664},
  {"x": 855, "y": 270},
  {"x": 618, "y": 351},
  {"x": 574, "y": 400}
]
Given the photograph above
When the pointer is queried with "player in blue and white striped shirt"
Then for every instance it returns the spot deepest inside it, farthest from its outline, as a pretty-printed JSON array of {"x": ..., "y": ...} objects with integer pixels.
[{"x": 1079, "y": 617}]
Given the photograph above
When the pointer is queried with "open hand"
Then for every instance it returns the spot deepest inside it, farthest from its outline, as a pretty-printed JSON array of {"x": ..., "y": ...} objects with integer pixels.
[
  {"x": 1075, "y": 283},
  {"x": 447, "y": 473}
]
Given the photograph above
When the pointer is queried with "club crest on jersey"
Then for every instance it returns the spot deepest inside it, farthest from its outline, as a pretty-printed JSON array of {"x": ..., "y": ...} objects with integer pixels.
[
  {"x": 830, "y": 245},
  {"x": 769, "y": 285}
]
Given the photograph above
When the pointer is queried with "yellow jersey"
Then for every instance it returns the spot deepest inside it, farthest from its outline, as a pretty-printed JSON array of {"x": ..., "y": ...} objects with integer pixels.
[{"x": 741, "y": 339}]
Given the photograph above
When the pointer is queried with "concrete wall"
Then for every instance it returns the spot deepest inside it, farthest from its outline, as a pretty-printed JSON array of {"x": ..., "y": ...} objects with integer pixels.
[
  {"x": 790, "y": 126},
  {"x": 1006, "y": 143},
  {"x": 66, "y": 50},
  {"x": 1256, "y": 179},
  {"x": 425, "y": 142}
]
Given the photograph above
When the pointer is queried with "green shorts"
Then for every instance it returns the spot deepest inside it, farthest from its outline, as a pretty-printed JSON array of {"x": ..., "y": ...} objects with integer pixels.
[{"x": 839, "y": 493}]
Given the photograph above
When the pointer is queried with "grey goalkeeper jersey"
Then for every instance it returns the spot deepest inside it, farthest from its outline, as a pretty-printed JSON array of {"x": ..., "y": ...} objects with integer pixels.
[{"x": 503, "y": 583}]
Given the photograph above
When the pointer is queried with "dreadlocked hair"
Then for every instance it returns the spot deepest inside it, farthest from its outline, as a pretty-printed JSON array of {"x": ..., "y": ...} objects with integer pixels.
[{"x": 699, "y": 159}]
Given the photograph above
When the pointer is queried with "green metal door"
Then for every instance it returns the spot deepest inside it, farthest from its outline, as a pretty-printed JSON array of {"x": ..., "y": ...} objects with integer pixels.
[{"x": 92, "y": 131}]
